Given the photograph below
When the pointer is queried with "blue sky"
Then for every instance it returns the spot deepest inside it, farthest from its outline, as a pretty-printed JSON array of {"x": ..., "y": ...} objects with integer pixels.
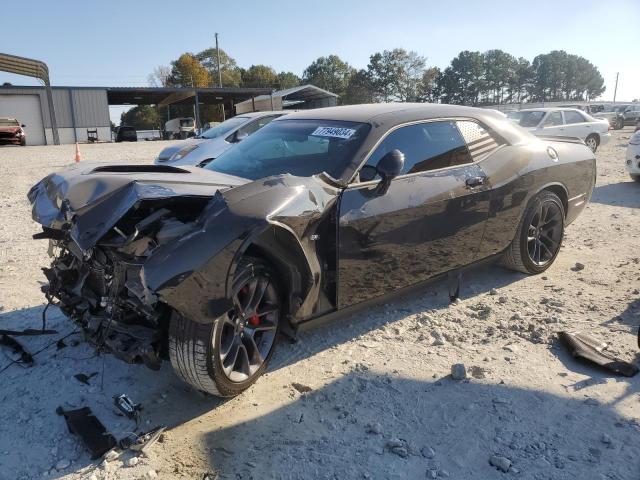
[{"x": 118, "y": 43}]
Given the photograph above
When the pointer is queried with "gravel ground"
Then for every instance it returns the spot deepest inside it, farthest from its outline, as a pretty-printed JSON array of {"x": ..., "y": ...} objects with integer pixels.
[{"x": 371, "y": 396}]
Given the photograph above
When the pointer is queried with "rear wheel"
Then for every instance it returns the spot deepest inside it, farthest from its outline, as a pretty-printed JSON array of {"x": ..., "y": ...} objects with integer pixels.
[
  {"x": 226, "y": 357},
  {"x": 539, "y": 235},
  {"x": 592, "y": 142}
]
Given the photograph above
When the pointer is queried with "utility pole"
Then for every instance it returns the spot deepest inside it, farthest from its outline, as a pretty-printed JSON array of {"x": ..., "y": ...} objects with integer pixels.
[
  {"x": 219, "y": 74},
  {"x": 615, "y": 90},
  {"x": 218, "y": 55}
]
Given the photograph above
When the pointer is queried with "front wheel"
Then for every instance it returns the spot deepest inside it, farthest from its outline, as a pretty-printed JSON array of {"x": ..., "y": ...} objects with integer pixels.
[
  {"x": 539, "y": 236},
  {"x": 226, "y": 357},
  {"x": 635, "y": 178}
]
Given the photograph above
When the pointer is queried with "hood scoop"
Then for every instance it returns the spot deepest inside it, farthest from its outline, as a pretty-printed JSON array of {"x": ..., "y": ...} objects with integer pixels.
[{"x": 138, "y": 169}]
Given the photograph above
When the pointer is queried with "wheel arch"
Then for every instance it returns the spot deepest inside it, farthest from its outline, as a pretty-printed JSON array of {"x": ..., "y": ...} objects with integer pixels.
[
  {"x": 561, "y": 191},
  {"x": 278, "y": 245}
]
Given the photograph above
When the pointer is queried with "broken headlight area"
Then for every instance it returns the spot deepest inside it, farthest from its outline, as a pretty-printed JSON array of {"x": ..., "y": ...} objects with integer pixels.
[{"x": 101, "y": 289}]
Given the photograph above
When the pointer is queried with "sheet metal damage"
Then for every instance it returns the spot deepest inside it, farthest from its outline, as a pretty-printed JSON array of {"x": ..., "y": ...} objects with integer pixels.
[{"x": 134, "y": 245}]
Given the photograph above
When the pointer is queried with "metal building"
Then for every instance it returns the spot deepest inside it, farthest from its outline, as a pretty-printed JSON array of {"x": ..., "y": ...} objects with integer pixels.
[
  {"x": 81, "y": 109},
  {"x": 302, "y": 97},
  {"x": 77, "y": 109}
]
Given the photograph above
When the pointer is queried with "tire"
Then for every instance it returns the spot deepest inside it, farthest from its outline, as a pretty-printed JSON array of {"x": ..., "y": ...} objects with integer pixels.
[
  {"x": 592, "y": 142},
  {"x": 519, "y": 255},
  {"x": 619, "y": 124},
  {"x": 635, "y": 178},
  {"x": 199, "y": 353},
  {"x": 23, "y": 142}
]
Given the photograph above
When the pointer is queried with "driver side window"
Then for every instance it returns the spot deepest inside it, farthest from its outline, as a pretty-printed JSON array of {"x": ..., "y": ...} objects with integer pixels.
[
  {"x": 553, "y": 119},
  {"x": 426, "y": 146}
]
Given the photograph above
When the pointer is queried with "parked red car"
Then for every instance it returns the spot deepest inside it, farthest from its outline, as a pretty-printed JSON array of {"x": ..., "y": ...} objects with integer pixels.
[{"x": 12, "y": 132}]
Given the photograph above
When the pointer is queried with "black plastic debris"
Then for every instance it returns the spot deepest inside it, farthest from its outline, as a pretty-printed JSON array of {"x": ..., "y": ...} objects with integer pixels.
[
  {"x": 89, "y": 429},
  {"x": 82, "y": 378},
  {"x": 17, "y": 349},
  {"x": 588, "y": 348},
  {"x": 454, "y": 282},
  {"x": 28, "y": 332}
]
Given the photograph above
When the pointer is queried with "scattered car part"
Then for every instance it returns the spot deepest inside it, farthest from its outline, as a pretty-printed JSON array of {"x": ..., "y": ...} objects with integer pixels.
[
  {"x": 82, "y": 423},
  {"x": 24, "y": 357},
  {"x": 82, "y": 378},
  {"x": 340, "y": 209},
  {"x": 28, "y": 332},
  {"x": 139, "y": 443},
  {"x": 126, "y": 406},
  {"x": 588, "y": 348}
]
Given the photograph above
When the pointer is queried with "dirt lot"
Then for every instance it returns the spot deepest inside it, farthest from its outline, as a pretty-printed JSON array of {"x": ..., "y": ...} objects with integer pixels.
[{"x": 370, "y": 396}]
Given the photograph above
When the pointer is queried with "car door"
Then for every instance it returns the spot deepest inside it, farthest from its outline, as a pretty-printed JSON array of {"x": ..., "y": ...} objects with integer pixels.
[
  {"x": 430, "y": 220},
  {"x": 552, "y": 124},
  {"x": 576, "y": 125}
]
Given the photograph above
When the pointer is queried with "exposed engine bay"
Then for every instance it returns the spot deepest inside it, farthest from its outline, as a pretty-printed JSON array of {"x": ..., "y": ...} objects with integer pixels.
[{"x": 101, "y": 289}]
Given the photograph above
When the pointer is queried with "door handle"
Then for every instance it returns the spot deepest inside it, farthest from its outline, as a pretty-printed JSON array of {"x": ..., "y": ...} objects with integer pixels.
[{"x": 473, "y": 182}]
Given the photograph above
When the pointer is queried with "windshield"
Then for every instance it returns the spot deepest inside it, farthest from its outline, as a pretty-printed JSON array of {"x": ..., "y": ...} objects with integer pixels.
[
  {"x": 526, "y": 119},
  {"x": 299, "y": 147},
  {"x": 224, "y": 128},
  {"x": 186, "y": 122},
  {"x": 5, "y": 122}
]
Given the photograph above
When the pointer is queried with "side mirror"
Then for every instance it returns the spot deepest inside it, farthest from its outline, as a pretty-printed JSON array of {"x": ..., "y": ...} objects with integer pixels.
[
  {"x": 389, "y": 167},
  {"x": 23, "y": 126}
]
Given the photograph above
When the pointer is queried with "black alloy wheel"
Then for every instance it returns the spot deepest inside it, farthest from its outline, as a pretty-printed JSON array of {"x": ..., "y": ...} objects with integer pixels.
[
  {"x": 545, "y": 233},
  {"x": 249, "y": 330}
]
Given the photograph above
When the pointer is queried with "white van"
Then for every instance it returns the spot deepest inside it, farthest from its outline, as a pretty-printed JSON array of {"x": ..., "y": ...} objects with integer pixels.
[{"x": 179, "y": 128}]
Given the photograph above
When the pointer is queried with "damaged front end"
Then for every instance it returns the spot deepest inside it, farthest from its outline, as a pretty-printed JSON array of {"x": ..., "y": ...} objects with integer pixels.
[
  {"x": 99, "y": 243},
  {"x": 101, "y": 288}
]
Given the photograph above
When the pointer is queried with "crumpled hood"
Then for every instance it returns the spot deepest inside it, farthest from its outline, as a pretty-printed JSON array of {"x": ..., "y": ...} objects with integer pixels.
[{"x": 89, "y": 199}]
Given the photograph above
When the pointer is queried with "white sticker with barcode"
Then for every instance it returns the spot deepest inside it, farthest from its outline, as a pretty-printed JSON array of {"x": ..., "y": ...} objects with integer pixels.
[{"x": 335, "y": 132}]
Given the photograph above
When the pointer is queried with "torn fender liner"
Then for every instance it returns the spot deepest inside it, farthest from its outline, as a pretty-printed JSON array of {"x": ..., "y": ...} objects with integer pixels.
[
  {"x": 89, "y": 429},
  {"x": 585, "y": 347}
]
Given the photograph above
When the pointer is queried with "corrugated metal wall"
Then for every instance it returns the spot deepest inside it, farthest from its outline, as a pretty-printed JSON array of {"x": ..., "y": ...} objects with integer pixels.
[{"x": 90, "y": 106}]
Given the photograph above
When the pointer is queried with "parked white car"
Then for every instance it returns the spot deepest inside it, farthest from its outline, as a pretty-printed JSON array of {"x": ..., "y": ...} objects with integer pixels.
[
  {"x": 211, "y": 143},
  {"x": 564, "y": 122},
  {"x": 633, "y": 156}
]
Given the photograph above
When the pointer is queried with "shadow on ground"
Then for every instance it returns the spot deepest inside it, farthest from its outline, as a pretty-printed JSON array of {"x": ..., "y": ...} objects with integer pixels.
[
  {"x": 624, "y": 194},
  {"x": 330, "y": 433}
]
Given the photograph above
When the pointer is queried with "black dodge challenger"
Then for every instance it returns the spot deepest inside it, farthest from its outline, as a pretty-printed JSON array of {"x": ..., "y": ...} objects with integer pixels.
[{"x": 318, "y": 211}]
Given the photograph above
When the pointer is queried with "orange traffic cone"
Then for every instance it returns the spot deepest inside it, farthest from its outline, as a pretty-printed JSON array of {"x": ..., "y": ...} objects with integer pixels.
[{"x": 77, "y": 157}]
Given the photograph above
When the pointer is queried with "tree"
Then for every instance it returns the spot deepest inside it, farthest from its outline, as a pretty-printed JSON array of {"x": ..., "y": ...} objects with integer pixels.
[
  {"x": 260, "y": 76},
  {"x": 330, "y": 73},
  {"x": 558, "y": 76},
  {"x": 160, "y": 76},
  {"x": 462, "y": 82},
  {"x": 229, "y": 71},
  {"x": 499, "y": 72},
  {"x": 359, "y": 89},
  {"x": 428, "y": 88},
  {"x": 187, "y": 71},
  {"x": 288, "y": 80},
  {"x": 520, "y": 82},
  {"x": 396, "y": 75},
  {"x": 142, "y": 117}
]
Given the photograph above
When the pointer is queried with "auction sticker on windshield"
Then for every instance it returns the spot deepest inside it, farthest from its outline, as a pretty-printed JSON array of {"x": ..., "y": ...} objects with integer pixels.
[{"x": 335, "y": 132}]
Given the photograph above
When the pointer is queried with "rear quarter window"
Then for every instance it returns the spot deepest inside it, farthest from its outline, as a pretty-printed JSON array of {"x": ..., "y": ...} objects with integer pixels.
[{"x": 481, "y": 142}]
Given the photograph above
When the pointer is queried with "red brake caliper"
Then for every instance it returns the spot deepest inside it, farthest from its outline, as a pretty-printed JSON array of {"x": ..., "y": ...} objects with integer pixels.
[{"x": 254, "y": 320}]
